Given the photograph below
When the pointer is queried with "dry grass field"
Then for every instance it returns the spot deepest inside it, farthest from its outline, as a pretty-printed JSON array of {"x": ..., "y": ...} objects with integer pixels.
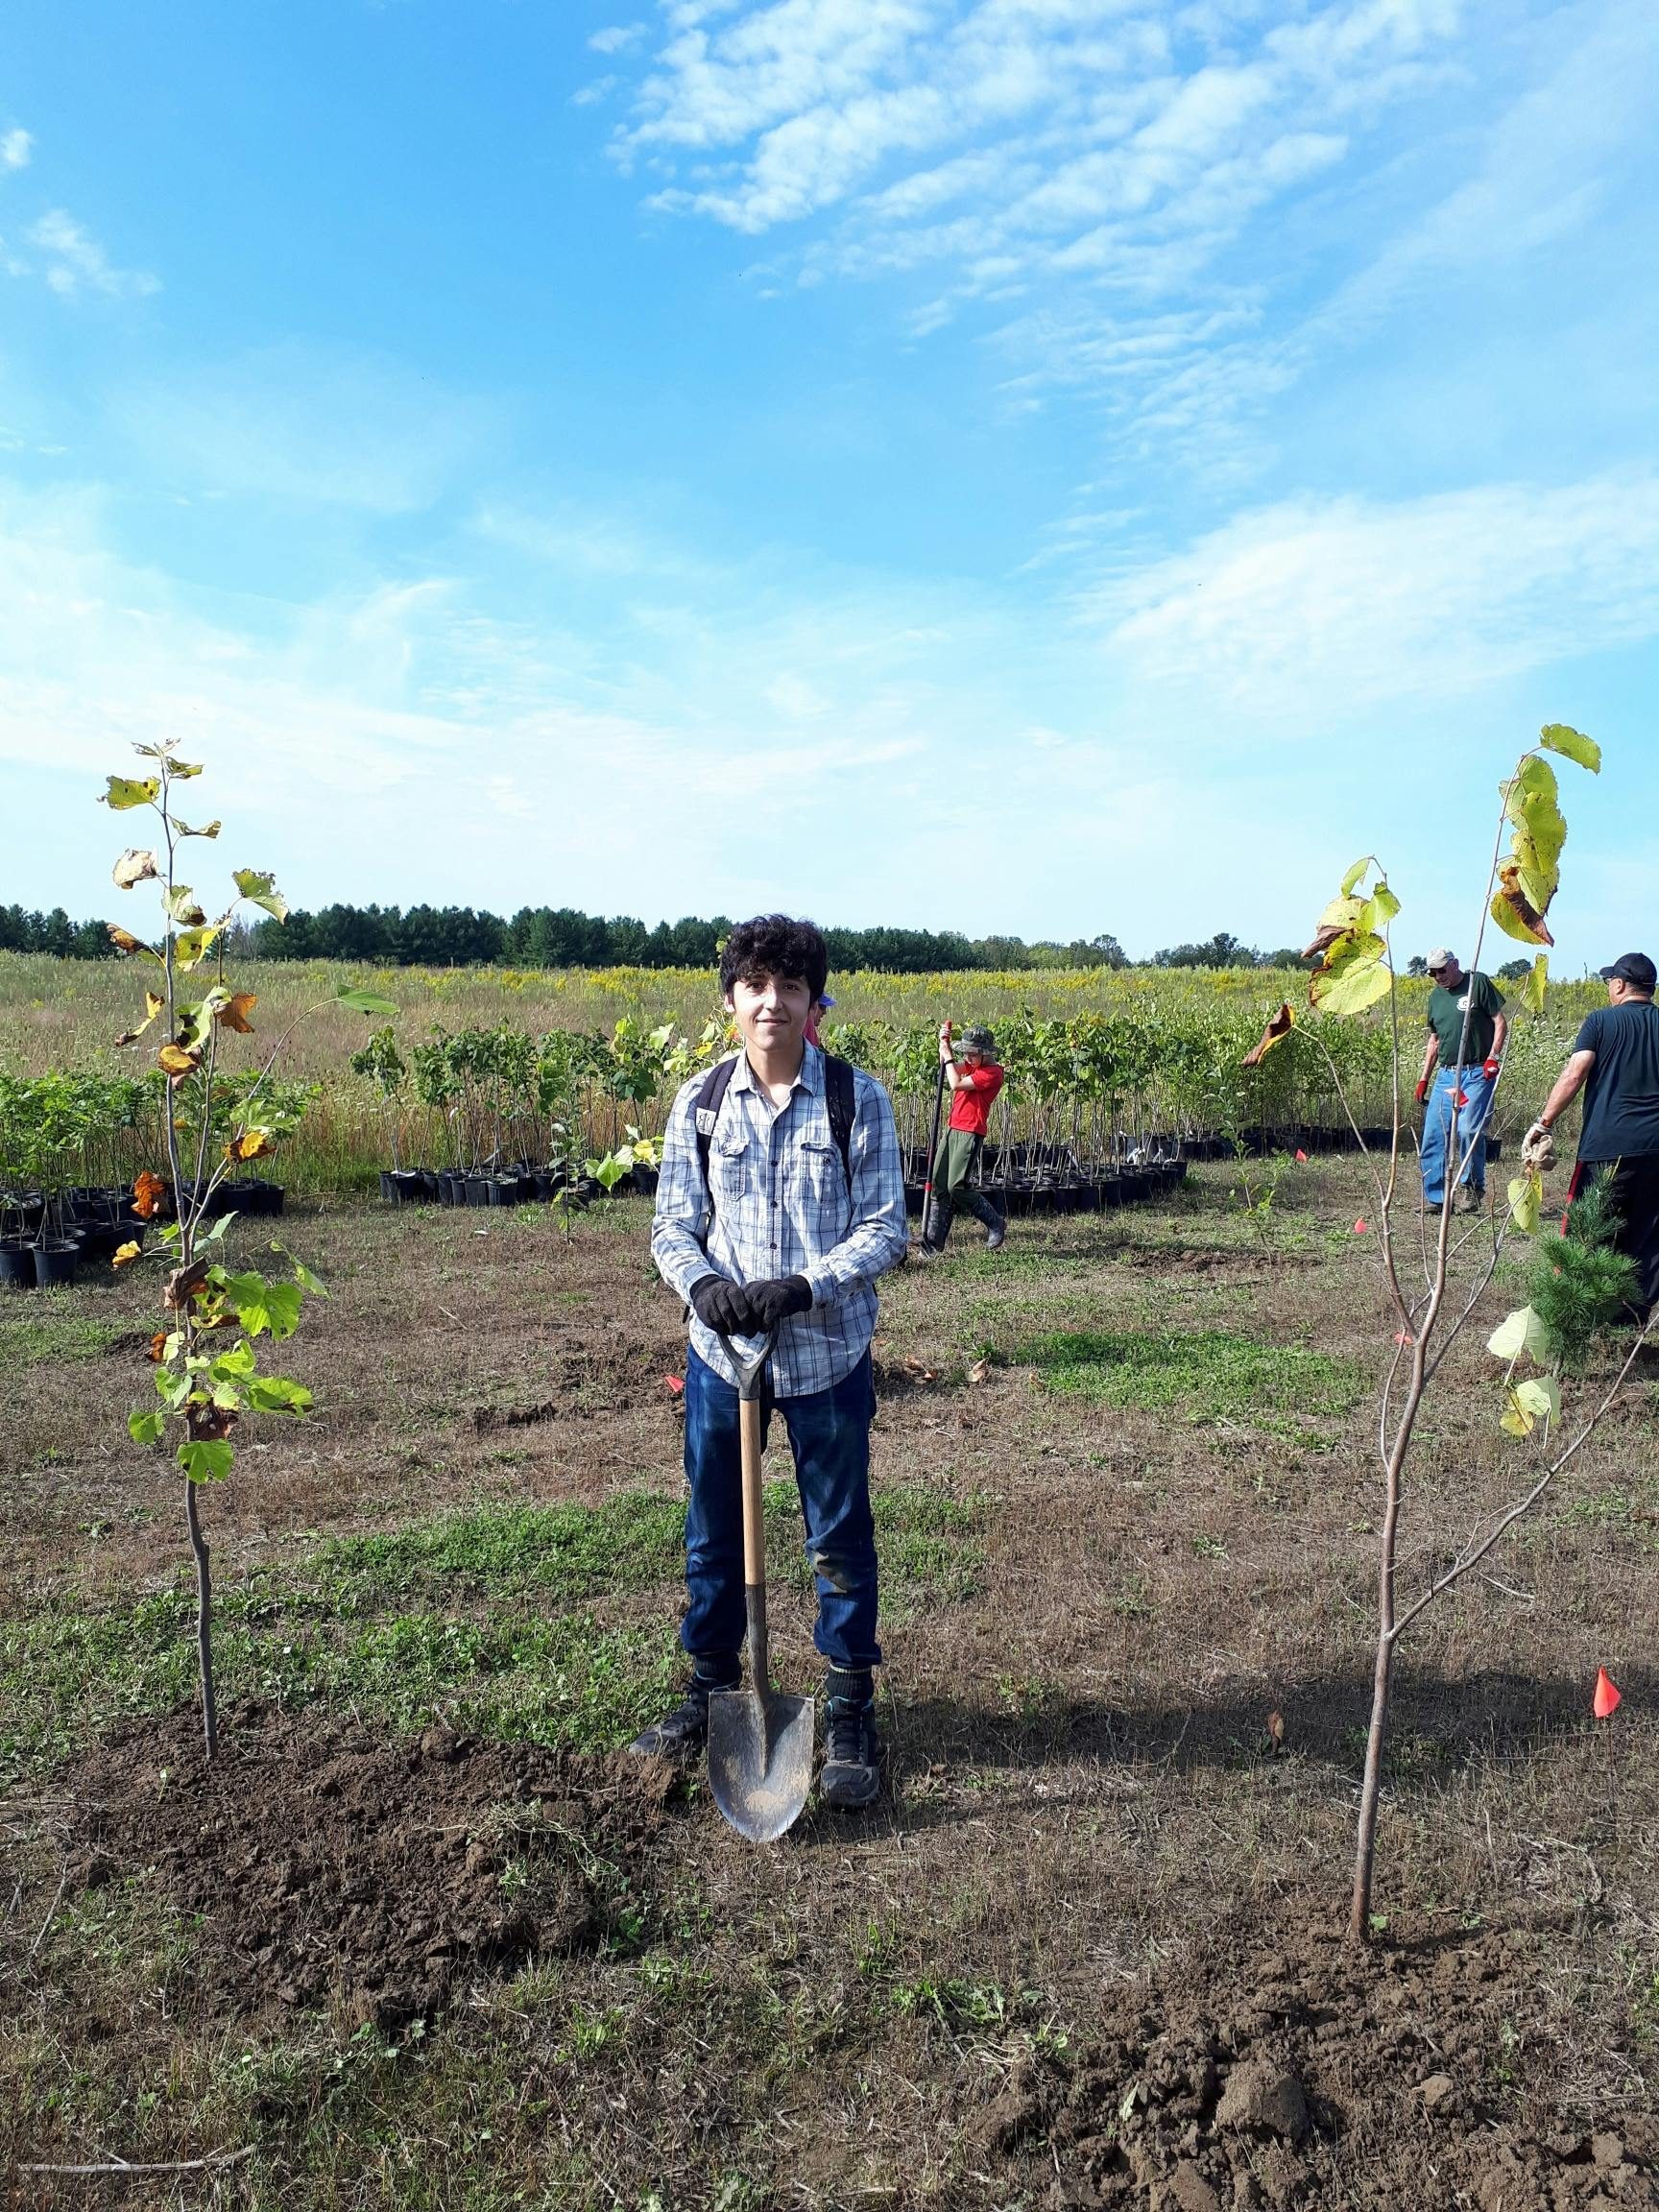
[{"x": 423, "y": 1941}]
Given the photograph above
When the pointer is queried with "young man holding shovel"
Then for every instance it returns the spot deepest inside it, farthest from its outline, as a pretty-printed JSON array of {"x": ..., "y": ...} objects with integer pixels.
[
  {"x": 974, "y": 1082},
  {"x": 780, "y": 1212}
]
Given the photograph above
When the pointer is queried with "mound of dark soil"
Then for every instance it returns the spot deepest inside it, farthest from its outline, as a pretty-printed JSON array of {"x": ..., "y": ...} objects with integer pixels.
[
  {"x": 1304, "y": 2075},
  {"x": 332, "y": 1866}
]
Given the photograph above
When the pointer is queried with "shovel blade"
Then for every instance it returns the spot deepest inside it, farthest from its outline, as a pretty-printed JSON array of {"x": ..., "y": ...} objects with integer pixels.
[{"x": 761, "y": 1760}]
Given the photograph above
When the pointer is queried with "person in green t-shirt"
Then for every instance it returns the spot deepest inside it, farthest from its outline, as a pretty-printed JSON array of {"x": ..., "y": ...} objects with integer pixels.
[{"x": 1461, "y": 1054}]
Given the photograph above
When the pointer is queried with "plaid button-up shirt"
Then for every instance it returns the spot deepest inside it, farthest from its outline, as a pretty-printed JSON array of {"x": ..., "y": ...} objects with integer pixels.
[{"x": 780, "y": 1205}]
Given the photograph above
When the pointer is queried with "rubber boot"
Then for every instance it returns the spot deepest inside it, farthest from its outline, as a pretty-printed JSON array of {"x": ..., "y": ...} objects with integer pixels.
[
  {"x": 936, "y": 1224},
  {"x": 982, "y": 1210}
]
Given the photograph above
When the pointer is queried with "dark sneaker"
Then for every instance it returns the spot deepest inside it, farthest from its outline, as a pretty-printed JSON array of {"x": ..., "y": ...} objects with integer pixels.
[
  {"x": 851, "y": 1776},
  {"x": 995, "y": 1236},
  {"x": 683, "y": 1732}
]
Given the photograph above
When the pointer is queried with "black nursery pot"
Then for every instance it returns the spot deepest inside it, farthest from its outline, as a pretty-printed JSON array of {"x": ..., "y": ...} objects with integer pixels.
[
  {"x": 408, "y": 1185},
  {"x": 16, "y": 1263},
  {"x": 56, "y": 1261},
  {"x": 388, "y": 1192},
  {"x": 478, "y": 1188}
]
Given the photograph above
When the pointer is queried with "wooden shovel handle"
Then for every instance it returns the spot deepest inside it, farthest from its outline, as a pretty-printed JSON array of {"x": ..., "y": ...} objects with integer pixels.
[{"x": 754, "y": 1506}]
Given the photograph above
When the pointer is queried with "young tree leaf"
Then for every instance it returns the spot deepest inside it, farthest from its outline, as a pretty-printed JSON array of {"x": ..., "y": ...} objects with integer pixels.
[
  {"x": 276, "y": 1394},
  {"x": 1523, "y": 1332},
  {"x": 124, "y": 941},
  {"x": 1532, "y": 990},
  {"x": 127, "y": 791},
  {"x": 148, "y": 1193},
  {"x": 1279, "y": 1026},
  {"x": 362, "y": 1001},
  {"x": 126, "y": 1254},
  {"x": 1559, "y": 738},
  {"x": 1528, "y": 1403},
  {"x": 206, "y": 1459},
  {"x": 312, "y": 1285},
  {"x": 1541, "y": 1395},
  {"x": 1527, "y": 1201},
  {"x": 250, "y": 1144},
  {"x": 183, "y": 770},
  {"x": 180, "y": 905},
  {"x": 1353, "y": 976},
  {"x": 191, "y": 947},
  {"x": 135, "y": 866},
  {"x": 262, "y": 1306},
  {"x": 1355, "y": 877},
  {"x": 233, "y": 1013},
  {"x": 1514, "y": 912},
  {"x": 183, "y": 829},
  {"x": 260, "y": 888},
  {"x": 146, "y": 1428},
  {"x": 178, "y": 1061}
]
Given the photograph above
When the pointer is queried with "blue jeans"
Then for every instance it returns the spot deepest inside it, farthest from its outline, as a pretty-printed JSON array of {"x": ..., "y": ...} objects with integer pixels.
[
  {"x": 1471, "y": 1130},
  {"x": 829, "y": 1435}
]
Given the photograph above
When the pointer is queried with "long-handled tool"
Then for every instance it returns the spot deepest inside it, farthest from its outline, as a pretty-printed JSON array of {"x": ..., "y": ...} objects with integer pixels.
[
  {"x": 933, "y": 1145},
  {"x": 759, "y": 1744}
]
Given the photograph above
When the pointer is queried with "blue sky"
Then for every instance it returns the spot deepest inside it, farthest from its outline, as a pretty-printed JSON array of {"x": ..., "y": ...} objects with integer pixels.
[{"x": 1049, "y": 466}]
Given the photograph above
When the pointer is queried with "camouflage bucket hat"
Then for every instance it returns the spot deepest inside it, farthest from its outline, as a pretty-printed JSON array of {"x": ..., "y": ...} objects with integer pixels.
[{"x": 977, "y": 1040}]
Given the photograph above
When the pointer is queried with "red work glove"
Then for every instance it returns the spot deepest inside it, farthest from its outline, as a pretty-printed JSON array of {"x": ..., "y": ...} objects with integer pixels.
[
  {"x": 1489, "y": 1069},
  {"x": 1422, "y": 1091}
]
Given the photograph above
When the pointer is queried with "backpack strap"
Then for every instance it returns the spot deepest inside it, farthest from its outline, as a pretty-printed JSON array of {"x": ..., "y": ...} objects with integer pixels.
[
  {"x": 706, "y": 1112},
  {"x": 840, "y": 1096}
]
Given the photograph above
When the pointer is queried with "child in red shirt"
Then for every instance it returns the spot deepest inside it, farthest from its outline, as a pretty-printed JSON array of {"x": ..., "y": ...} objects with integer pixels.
[{"x": 975, "y": 1083}]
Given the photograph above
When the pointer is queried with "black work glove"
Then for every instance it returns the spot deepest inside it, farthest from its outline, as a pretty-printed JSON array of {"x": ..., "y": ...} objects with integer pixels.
[
  {"x": 723, "y": 1306},
  {"x": 770, "y": 1303}
]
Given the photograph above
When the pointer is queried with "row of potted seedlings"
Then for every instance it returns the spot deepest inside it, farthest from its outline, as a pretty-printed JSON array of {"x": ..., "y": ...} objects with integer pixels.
[
  {"x": 1030, "y": 1179},
  {"x": 517, "y": 1183},
  {"x": 46, "y": 1237}
]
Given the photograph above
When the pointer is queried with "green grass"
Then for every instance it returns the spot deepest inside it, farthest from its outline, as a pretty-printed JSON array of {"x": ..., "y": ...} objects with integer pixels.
[
  {"x": 928, "y": 1542},
  {"x": 52, "y": 1333},
  {"x": 629, "y": 1542},
  {"x": 484, "y": 1620},
  {"x": 1205, "y": 1374}
]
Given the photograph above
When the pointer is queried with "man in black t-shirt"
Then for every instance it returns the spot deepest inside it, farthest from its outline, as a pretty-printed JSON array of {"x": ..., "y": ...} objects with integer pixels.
[{"x": 1615, "y": 1062}]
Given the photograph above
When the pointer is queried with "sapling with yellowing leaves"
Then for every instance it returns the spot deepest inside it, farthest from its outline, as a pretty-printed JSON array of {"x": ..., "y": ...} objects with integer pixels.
[
  {"x": 206, "y": 1353},
  {"x": 1434, "y": 1287}
]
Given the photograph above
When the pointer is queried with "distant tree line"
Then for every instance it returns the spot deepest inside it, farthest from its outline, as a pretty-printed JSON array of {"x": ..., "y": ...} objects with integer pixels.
[
  {"x": 21, "y": 931},
  {"x": 564, "y": 937}
]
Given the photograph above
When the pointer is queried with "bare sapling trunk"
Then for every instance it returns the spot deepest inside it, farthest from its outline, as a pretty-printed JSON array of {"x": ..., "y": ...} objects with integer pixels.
[{"x": 1357, "y": 971}]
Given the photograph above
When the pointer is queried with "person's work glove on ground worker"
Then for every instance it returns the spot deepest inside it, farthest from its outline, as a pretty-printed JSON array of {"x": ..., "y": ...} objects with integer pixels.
[
  {"x": 973, "y": 1083},
  {"x": 764, "y": 1222}
]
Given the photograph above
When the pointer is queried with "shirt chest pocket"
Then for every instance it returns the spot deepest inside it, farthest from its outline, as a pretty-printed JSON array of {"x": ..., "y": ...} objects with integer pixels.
[
  {"x": 731, "y": 1167},
  {"x": 821, "y": 1181}
]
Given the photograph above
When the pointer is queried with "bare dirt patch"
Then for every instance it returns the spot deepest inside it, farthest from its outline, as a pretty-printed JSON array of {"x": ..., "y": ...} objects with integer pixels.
[{"x": 331, "y": 1868}]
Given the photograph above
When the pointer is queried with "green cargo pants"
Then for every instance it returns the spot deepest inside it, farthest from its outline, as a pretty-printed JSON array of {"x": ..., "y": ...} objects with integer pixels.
[{"x": 953, "y": 1165}]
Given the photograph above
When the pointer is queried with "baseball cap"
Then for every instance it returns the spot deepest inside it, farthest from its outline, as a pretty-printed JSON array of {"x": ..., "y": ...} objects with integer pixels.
[
  {"x": 825, "y": 1000},
  {"x": 1439, "y": 958},
  {"x": 1634, "y": 968}
]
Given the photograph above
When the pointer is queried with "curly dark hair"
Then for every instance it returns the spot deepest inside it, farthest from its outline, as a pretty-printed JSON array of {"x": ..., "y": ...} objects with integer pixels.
[{"x": 774, "y": 944}]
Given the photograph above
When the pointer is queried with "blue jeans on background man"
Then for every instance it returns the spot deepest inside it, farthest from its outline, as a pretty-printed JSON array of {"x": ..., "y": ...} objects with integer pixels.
[
  {"x": 1471, "y": 1130},
  {"x": 830, "y": 1434}
]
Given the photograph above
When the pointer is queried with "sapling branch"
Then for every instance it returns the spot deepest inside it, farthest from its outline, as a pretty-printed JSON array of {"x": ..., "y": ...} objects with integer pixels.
[{"x": 1523, "y": 1505}]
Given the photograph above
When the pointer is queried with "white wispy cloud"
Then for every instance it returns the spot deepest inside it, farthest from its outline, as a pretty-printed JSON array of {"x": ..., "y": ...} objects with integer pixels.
[
  {"x": 76, "y": 262},
  {"x": 617, "y": 38},
  {"x": 1080, "y": 131},
  {"x": 1312, "y": 608},
  {"x": 15, "y": 147}
]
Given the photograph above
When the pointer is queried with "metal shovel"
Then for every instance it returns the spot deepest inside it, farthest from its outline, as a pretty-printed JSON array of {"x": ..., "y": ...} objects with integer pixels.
[{"x": 759, "y": 1744}]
